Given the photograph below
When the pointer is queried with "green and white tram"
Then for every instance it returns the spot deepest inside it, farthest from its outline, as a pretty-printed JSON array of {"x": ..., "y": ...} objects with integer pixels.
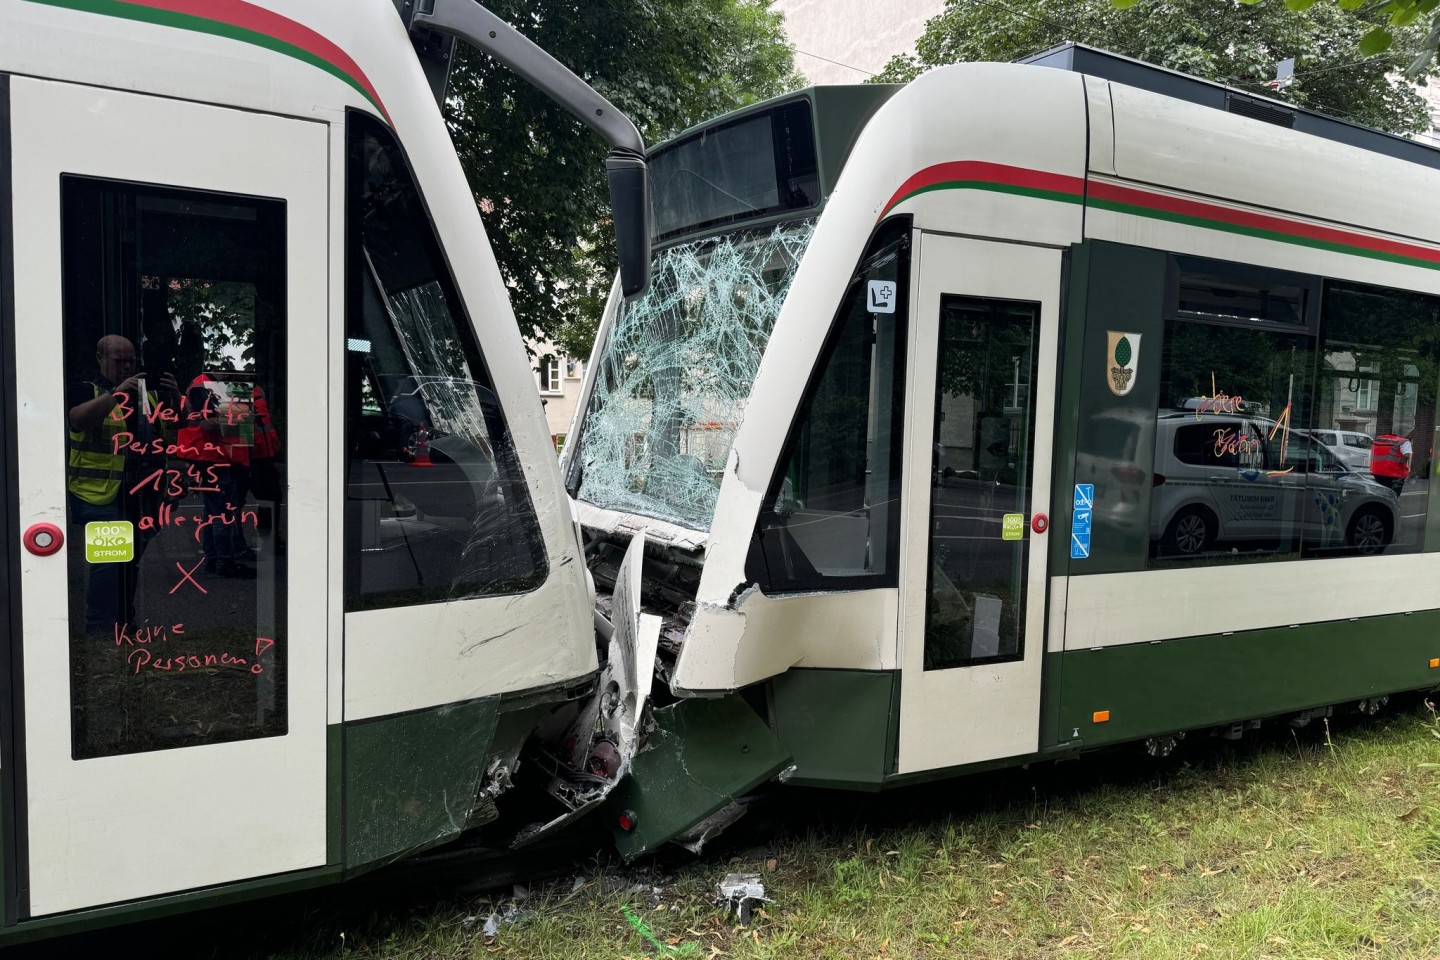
[
  {"x": 991, "y": 419},
  {"x": 290, "y": 572}
]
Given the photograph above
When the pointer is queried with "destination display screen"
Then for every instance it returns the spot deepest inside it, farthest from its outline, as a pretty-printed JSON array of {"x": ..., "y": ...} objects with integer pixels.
[{"x": 753, "y": 167}]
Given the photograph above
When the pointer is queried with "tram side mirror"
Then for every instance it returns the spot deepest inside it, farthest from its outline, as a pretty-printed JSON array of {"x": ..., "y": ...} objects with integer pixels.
[{"x": 630, "y": 204}]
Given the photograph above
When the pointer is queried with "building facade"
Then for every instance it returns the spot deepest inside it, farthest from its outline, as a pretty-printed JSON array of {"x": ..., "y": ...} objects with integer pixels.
[{"x": 559, "y": 379}]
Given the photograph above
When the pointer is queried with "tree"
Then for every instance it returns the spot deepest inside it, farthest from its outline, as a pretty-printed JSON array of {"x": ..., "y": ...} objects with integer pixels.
[
  {"x": 1233, "y": 43},
  {"x": 538, "y": 173},
  {"x": 1397, "y": 16}
]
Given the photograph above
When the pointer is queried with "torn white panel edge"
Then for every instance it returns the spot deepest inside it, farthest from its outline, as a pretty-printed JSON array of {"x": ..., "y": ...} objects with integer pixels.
[
  {"x": 631, "y": 661},
  {"x": 615, "y": 713}
]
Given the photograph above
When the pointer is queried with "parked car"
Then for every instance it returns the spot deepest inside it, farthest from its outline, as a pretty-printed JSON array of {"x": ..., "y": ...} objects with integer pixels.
[
  {"x": 1234, "y": 478},
  {"x": 1350, "y": 447}
]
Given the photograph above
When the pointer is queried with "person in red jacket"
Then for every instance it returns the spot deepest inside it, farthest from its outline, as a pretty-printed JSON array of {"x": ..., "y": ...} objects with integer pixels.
[
  {"x": 219, "y": 442},
  {"x": 1390, "y": 459}
]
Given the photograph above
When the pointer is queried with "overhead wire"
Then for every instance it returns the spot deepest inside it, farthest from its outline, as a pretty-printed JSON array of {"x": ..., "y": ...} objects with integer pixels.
[{"x": 847, "y": 66}]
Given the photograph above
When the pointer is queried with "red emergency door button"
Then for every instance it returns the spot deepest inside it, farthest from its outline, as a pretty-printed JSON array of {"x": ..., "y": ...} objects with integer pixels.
[
  {"x": 43, "y": 539},
  {"x": 1039, "y": 523}
]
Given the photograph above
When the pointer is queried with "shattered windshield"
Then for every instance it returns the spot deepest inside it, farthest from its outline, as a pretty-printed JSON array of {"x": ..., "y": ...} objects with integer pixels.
[{"x": 676, "y": 372}]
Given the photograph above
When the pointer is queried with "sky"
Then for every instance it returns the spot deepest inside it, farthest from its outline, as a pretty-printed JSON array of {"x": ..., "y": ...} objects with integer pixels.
[{"x": 847, "y": 41}]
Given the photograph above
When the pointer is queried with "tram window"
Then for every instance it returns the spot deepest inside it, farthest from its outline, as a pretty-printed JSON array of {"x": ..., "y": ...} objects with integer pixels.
[
  {"x": 436, "y": 504},
  {"x": 831, "y": 517},
  {"x": 1221, "y": 292},
  {"x": 984, "y": 441},
  {"x": 174, "y": 313},
  {"x": 1378, "y": 369},
  {"x": 1235, "y": 402}
]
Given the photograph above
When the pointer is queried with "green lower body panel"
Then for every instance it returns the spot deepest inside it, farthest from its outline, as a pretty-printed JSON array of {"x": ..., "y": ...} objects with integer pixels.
[
  {"x": 700, "y": 757},
  {"x": 840, "y": 725},
  {"x": 414, "y": 781},
  {"x": 1150, "y": 689},
  {"x": 411, "y": 780}
]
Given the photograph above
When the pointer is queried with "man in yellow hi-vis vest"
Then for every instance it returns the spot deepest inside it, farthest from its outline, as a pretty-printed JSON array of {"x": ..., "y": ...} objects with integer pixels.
[{"x": 101, "y": 472}]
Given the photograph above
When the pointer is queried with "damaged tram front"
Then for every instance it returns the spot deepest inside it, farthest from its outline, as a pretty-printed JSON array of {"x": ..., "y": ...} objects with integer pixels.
[
  {"x": 818, "y": 463},
  {"x": 736, "y": 205}
]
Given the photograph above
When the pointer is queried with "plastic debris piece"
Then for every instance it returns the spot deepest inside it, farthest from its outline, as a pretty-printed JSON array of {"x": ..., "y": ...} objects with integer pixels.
[
  {"x": 676, "y": 371},
  {"x": 510, "y": 915},
  {"x": 743, "y": 892}
]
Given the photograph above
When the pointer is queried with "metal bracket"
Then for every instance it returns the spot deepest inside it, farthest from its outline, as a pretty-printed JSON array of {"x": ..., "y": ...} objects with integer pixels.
[{"x": 469, "y": 21}]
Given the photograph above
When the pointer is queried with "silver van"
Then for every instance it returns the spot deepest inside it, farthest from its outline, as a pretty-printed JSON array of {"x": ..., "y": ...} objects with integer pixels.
[{"x": 1232, "y": 479}]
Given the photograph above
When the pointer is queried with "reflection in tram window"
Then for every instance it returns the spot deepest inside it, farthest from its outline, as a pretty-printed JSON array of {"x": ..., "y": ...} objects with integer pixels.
[
  {"x": 1375, "y": 409},
  {"x": 980, "y": 482},
  {"x": 1273, "y": 443},
  {"x": 174, "y": 336},
  {"x": 1236, "y": 372},
  {"x": 436, "y": 506}
]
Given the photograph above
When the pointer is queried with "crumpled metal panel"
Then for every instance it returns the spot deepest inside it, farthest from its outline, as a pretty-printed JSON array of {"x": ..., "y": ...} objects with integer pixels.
[
  {"x": 676, "y": 372},
  {"x": 594, "y": 751},
  {"x": 701, "y": 756}
]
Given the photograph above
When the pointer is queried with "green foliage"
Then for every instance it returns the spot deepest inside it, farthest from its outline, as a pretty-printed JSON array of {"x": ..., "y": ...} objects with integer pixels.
[
  {"x": 538, "y": 173},
  {"x": 1394, "y": 16},
  {"x": 1233, "y": 43}
]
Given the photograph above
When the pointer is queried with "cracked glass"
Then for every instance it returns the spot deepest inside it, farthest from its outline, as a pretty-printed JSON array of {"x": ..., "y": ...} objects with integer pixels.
[
  {"x": 676, "y": 372},
  {"x": 436, "y": 505}
]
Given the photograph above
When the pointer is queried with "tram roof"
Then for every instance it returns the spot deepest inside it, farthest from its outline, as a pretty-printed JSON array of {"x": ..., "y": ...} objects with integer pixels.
[{"x": 1092, "y": 61}]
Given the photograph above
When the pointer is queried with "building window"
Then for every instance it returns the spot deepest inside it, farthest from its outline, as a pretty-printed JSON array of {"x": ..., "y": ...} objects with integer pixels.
[{"x": 550, "y": 375}]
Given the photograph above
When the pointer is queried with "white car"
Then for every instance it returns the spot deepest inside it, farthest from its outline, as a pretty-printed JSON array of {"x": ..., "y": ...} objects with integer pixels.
[{"x": 1350, "y": 447}]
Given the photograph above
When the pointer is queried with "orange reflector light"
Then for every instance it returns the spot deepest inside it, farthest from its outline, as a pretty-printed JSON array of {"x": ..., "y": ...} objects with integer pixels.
[
  {"x": 1434, "y": 662},
  {"x": 1101, "y": 716}
]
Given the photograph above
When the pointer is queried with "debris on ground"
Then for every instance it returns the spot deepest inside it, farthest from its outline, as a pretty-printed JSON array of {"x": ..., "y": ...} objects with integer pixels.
[
  {"x": 525, "y": 902},
  {"x": 504, "y": 914},
  {"x": 509, "y": 915},
  {"x": 744, "y": 892}
]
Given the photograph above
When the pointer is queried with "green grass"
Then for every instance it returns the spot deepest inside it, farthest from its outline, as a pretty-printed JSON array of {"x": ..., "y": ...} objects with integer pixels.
[{"x": 1322, "y": 843}]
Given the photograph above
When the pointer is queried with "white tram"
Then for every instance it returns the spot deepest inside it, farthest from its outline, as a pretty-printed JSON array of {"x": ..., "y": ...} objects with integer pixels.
[
  {"x": 984, "y": 420},
  {"x": 291, "y": 573}
]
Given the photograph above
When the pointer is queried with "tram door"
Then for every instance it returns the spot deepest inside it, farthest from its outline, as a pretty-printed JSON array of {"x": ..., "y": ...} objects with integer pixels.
[
  {"x": 982, "y": 389},
  {"x": 170, "y": 312}
]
